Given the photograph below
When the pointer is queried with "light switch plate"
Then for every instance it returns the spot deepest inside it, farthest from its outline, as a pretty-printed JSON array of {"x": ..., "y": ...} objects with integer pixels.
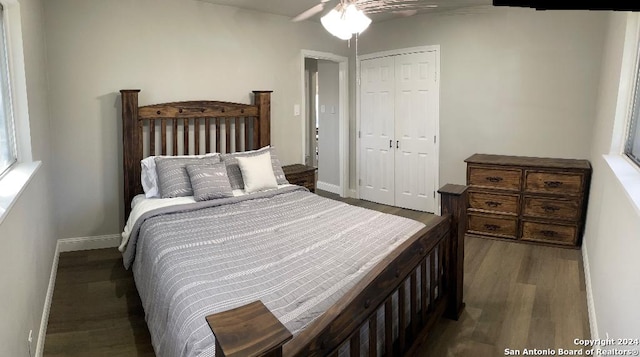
[
  {"x": 323, "y": 109},
  {"x": 296, "y": 109}
]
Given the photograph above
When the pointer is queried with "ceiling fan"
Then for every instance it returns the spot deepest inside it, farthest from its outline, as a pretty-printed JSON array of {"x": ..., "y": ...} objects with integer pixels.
[{"x": 343, "y": 18}]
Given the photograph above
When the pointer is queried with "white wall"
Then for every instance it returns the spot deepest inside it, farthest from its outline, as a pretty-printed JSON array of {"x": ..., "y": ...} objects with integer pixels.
[
  {"x": 612, "y": 237},
  {"x": 25, "y": 266},
  {"x": 513, "y": 81},
  {"x": 172, "y": 50},
  {"x": 329, "y": 123},
  {"x": 27, "y": 232}
]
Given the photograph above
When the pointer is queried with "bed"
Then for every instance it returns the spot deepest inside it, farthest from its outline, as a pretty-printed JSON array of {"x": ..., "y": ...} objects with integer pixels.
[{"x": 335, "y": 279}]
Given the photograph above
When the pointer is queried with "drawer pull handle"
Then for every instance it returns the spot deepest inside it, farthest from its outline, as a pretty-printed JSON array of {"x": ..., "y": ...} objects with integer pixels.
[
  {"x": 553, "y": 184},
  {"x": 493, "y": 203},
  {"x": 494, "y": 179},
  {"x": 548, "y": 233},
  {"x": 491, "y": 227},
  {"x": 550, "y": 209}
]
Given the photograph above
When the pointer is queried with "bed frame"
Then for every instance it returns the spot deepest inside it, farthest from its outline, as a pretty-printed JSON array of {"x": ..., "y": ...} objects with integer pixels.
[{"x": 250, "y": 330}]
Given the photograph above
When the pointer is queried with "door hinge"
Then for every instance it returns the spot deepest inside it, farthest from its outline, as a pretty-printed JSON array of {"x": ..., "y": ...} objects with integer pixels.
[
  {"x": 359, "y": 182},
  {"x": 434, "y": 194},
  {"x": 434, "y": 139},
  {"x": 359, "y": 134}
]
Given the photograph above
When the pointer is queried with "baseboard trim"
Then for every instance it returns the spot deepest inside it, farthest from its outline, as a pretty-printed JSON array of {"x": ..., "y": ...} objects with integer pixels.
[
  {"x": 88, "y": 243},
  {"x": 593, "y": 323},
  {"x": 44, "y": 321},
  {"x": 328, "y": 187}
]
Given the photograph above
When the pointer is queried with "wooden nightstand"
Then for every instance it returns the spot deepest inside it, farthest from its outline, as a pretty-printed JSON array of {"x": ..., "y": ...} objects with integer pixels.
[{"x": 301, "y": 175}]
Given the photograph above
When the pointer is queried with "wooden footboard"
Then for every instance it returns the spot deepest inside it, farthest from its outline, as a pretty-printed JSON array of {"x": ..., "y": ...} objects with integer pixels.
[{"x": 421, "y": 280}]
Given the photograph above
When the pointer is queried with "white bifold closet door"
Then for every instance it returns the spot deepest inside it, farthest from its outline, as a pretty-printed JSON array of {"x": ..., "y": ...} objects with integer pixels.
[{"x": 397, "y": 122}]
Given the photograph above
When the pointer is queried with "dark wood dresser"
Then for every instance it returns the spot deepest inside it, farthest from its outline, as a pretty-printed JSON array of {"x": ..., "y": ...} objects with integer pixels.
[
  {"x": 301, "y": 175},
  {"x": 529, "y": 199}
]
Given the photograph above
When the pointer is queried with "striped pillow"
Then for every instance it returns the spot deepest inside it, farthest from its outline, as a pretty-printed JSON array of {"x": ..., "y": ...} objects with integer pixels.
[
  {"x": 209, "y": 182},
  {"x": 173, "y": 179},
  {"x": 235, "y": 175}
]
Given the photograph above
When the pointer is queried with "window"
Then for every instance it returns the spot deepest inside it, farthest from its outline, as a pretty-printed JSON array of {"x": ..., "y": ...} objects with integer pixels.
[
  {"x": 7, "y": 129},
  {"x": 632, "y": 145}
]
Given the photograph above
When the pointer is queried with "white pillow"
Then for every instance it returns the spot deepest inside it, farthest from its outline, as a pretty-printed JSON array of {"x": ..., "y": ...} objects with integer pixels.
[
  {"x": 257, "y": 172},
  {"x": 149, "y": 175}
]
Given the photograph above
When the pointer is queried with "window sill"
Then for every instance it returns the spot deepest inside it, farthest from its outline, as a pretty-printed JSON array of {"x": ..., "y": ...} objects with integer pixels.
[
  {"x": 13, "y": 183},
  {"x": 628, "y": 174}
]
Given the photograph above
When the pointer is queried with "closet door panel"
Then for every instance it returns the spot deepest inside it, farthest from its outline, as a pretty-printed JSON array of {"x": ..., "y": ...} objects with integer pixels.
[
  {"x": 415, "y": 130},
  {"x": 377, "y": 157}
]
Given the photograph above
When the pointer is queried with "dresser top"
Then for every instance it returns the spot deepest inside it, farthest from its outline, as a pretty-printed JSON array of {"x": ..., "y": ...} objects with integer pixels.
[{"x": 528, "y": 161}]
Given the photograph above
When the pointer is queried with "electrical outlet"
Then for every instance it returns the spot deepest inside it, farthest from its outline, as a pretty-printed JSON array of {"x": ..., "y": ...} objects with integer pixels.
[{"x": 30, "y": 341}]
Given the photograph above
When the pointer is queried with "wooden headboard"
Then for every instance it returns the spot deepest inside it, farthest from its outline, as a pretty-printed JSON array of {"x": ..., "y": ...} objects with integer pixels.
[{"x": 155, "y": 130}]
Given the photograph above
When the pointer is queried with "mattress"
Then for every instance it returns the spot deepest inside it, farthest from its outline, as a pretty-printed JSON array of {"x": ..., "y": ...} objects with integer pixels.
[{"x": 295, "y": 251}]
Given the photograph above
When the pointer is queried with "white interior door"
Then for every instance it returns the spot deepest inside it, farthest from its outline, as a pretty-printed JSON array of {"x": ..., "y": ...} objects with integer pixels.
[
  {"x": 377, "y": 130},
  {"x": 415, "y": 130}
]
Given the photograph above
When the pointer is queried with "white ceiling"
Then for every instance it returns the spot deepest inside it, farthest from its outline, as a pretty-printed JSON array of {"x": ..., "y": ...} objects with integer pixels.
[{"x": 291, "y": 8}]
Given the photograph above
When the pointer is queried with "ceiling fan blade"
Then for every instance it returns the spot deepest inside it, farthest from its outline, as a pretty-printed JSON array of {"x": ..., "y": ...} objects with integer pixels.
[
  {"x": 406, "y": 13},
  {"x": 309, "y": 13}
]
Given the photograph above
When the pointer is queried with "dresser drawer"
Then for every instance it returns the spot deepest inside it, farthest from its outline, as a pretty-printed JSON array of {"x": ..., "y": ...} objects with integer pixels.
[
  {"x": 500, "y": 226},
  {"x": 553, "y": 208},
  {"x": 301, "y": 175},
  {"x": 494, "y": 202},
  {"x": 552, "y": 182},
  {"x": 549, "y": 233},
  {"x": 506, "y": 179},
  {"x": 307, "y": 181}
]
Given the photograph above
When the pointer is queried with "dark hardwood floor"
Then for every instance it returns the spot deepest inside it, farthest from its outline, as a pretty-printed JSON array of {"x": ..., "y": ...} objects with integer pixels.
[{"x": 517, "y": 296}]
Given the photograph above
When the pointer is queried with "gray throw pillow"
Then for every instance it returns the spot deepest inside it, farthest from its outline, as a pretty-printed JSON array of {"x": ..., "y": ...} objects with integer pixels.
[
  {"x": 209, "y": 182},
  {"x": 235, "y": 175},
  {"x": 173, "y": 178}
]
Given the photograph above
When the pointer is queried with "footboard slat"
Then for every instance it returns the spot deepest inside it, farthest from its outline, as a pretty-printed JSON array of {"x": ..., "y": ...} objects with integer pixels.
[
  {"x": 432, "y": 280},
  {"x": 424, "y": 300},
  {"x": 402, "y": 336},
  {"x": 414, "y": 303},
  {"x": 373, "y": 335},
  {"x": 354, "y": 344},
  {"x": 441, "y": 249},
  {"x": 388, "y": 327}
]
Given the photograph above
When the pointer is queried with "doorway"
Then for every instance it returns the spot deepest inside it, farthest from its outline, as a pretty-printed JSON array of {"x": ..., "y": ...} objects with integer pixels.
[{"x": 325, "y": 119}]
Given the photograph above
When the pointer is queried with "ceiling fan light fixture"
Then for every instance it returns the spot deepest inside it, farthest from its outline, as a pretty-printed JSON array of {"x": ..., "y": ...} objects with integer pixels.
[
  {"x": 356, "y": 19},
  {"x": 345, "y": 22},
  {"x": 336, "y": 25}
]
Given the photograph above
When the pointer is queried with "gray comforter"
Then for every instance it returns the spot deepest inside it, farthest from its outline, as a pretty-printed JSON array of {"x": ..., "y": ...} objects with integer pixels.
[{"x": 295, "y": 251}]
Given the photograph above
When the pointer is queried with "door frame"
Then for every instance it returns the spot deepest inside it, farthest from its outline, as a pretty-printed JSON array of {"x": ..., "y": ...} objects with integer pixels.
[
  {"x": 402, "y": 51},
  {"x": 343, "y": 111}
]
